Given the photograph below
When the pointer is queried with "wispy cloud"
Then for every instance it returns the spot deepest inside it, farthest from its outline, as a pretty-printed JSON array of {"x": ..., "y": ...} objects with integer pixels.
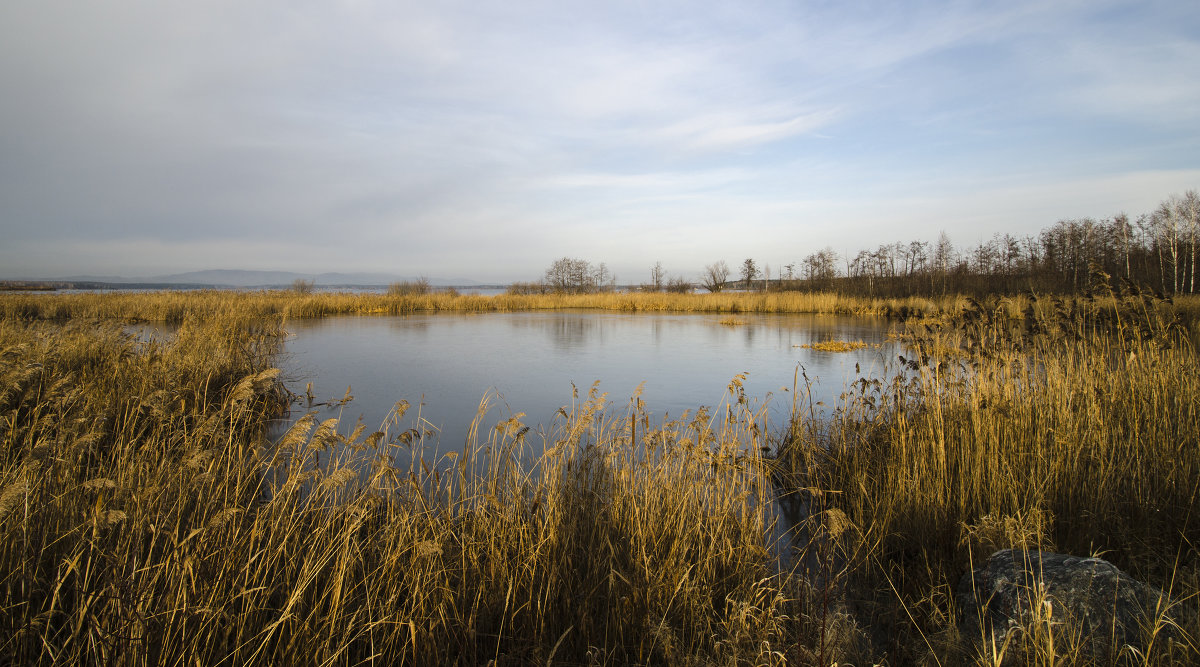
[
  {"x": 659, "y": 181},
  {"x": 728, "y": 132}
]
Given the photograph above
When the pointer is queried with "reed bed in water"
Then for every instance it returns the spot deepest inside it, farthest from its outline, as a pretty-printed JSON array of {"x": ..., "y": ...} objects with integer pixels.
[
  {"x": 167, "y": 306},
  {"x": 173, "y": 306},
  {"x": 145, "y": 519},
  {"x": 1077, "y": 432}
]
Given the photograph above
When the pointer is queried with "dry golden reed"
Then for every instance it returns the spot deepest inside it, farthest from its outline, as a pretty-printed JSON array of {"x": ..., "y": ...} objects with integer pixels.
[
  {"x": 835, "y": 345},
  {"x": 147, "y": 518},
  {"x": 175, "y": 307},
  {"x": 150, "y": 520},
  {"x": 1070, "y": 426}
]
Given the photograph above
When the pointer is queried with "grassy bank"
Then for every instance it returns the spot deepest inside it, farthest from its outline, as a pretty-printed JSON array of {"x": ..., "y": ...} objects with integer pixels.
[{"x": 137, "y": 524}]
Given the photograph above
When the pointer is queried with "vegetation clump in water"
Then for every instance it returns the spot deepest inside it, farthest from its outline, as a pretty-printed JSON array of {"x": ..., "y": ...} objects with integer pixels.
[{"x": 835, "y": 345}]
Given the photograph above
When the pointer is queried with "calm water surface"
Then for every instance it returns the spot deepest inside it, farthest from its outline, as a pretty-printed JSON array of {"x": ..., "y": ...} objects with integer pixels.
[{"x": 445, "y": 363}]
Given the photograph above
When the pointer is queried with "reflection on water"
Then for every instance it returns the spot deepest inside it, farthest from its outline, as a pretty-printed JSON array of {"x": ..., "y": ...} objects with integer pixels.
[{"x": 444, "y": 363}]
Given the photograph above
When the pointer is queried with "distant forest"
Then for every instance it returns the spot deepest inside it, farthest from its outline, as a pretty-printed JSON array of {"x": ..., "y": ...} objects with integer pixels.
[{"x": 1157, "y": 251}]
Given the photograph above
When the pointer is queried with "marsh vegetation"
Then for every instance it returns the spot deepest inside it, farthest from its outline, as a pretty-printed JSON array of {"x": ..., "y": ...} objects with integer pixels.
[
  {"x": 1070, "y": 428},
  {"x": 147, "y": 518}
]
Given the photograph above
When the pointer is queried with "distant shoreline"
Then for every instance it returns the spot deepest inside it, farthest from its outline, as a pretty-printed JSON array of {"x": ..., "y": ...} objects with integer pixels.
[
  {"x": 23, "y": 286},
  {"x": 59, "y": 285}
]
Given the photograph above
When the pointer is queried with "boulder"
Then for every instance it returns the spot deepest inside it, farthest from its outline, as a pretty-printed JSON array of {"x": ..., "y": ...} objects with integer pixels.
[{"x": 1090, "y": 609}]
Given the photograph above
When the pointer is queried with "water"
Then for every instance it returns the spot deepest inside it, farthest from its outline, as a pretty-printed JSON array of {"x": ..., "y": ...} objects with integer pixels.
[{"x": 443, "y": 364}]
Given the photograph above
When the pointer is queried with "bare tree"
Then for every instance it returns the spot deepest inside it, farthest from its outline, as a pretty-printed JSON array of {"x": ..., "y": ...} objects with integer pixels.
[
  {"x": 679, "y": 285},
  {"x": 943, "y": 253},
  {"x": 1121, "y": 230},
  {"x": 716, "y": 275},
  {"x": 1010, "y": 253},
  {"x": 602, "y": 279},
  {"x": 1033, "y": 252},
  {"x": 1188, "y": 210},
  {"x": 986, "y": 257},
  {"x": 821, "y": 267},
  {"x": 915, "y": 254},
  {"x": 943, "y": 258},
  {"x": 577, "y": 276},
  {"x": 1168, "y": 233},
  {"x": 657, "y": 276},
  {"x": 749, "y": 271}
]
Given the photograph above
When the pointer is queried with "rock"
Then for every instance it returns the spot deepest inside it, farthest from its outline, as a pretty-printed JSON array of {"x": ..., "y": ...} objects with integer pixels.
[{"x": 1091, "y": 609}]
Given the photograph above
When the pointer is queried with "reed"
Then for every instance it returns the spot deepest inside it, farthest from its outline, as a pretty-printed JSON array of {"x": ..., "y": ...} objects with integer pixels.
[
  {"x": 207, "y": 304},
  {"x": 1075, "y": 430},
  {"x": 172, "y": 307},
  {"x": 835, "y": 345},
  {"x": 146, "y": 517}
]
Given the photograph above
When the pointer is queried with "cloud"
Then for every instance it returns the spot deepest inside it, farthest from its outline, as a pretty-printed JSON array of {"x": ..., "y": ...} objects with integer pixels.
[
  {"x": 1151, "y": 81},
  {"x": 657, "y": 181},
  {"x": 726, "y": 132},
  {"x": 492, "y": 137}
]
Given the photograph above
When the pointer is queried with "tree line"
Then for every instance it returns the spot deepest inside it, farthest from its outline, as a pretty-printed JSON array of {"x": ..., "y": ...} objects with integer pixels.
[{"x": 1156, "y": 250}]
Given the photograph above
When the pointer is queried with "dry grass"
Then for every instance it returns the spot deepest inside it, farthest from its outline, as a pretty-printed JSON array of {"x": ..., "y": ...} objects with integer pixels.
[
  {"x": 835, "y": 345},
  {"x": 403, "y": 299},
  {"x": 1076, "y": 431},
  {"x": 146, "y": 519}
]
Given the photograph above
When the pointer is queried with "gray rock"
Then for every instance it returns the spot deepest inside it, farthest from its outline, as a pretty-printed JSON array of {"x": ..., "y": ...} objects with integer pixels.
[{"x": 1093, "y": 610}]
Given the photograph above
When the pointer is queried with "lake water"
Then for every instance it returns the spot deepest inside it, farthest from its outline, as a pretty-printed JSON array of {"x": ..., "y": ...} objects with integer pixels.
[{"x": 445, "y": 363}]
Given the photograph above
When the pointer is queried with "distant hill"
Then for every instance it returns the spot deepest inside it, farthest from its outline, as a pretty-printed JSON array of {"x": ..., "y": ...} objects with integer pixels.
[{"x": 238, "y": 278}]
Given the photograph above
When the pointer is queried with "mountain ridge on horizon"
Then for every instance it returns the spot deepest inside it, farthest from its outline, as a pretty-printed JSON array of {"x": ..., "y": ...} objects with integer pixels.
[{"x": 257, "y": 278}]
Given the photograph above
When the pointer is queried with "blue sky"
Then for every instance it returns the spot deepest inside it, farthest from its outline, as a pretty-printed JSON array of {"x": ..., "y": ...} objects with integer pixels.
[{"x": 484, "y": 140}]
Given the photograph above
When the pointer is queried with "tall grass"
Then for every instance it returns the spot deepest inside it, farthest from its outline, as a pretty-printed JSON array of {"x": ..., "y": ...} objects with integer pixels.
[
  {"x": 405, "y": 299},
  {"x": 173, "y": 306},
  {"x": 1075, "y": 431},
  {"x": 146, "y": 520}
]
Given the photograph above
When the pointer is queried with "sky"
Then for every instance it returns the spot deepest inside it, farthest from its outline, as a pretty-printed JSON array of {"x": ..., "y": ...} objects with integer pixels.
[{"x": 483, "y": 140}]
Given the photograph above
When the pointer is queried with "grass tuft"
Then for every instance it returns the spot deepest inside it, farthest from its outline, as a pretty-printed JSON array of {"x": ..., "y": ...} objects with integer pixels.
[{"x": 835, "y": 346}]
